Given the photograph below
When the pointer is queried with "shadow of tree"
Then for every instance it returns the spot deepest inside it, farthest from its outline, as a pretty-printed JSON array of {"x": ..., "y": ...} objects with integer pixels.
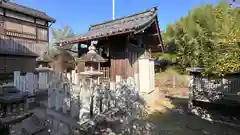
[{"x": 178, "y": 121}]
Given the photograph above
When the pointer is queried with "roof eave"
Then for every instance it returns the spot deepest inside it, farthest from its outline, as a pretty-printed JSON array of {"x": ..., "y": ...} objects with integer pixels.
[
  {"x": 49, "y": 19},
  {"x": 145, "y": 25},
  {"x": 8, "y": 7},
  {"x": 159, "y": 34},
  {"x": 91, "y": 38},
  {"x": 133, "y": 30},
  {"x": 52, "y": 20}
]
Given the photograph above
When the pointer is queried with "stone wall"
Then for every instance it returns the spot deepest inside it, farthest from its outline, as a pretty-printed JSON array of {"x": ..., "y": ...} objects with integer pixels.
[
  {"x": 214, "y": 89},
  {"x": 74, "y": 108},
  {"x": 73, "y": 105}
]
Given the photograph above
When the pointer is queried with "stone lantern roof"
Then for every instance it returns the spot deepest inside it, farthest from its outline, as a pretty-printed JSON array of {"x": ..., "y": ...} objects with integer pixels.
[
  {"x": 92, "y": 55},
  {"x": 44, "y": 58}
]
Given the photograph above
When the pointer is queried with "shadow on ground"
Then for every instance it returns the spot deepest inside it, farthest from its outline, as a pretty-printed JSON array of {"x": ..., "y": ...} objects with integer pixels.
[{"x": 176, "y": 120}]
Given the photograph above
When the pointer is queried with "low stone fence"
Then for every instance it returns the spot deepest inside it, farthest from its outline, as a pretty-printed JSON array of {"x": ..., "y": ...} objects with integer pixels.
[
  {"x": 33, "y": 82},
  {"x": 75, "y": 105},
  {"x": 74, "y": 108},
  {"x": 222, "y": 90}
]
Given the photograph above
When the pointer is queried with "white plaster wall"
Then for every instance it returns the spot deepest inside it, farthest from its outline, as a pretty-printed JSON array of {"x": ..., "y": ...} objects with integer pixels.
[
  {"x": 146, "y": 75},
  {"x": 152, "y": 75}
]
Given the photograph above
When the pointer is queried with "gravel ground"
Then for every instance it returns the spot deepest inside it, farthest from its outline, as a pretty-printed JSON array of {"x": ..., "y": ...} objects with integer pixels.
[
  {"x": 170, "y": 117},
  {"x": 40, "y": 112}
]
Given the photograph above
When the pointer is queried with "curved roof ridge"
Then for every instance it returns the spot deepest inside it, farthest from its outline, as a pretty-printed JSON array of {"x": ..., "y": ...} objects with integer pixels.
[
  {"x": 130, "y": 24},
  {"x": 153, "y": 9}
]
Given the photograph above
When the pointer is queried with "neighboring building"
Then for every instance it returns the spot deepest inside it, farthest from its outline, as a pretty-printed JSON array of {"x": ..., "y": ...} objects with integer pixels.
[
  {"x": 126, "y": 43},
  {"x": 24, "y": 33}
]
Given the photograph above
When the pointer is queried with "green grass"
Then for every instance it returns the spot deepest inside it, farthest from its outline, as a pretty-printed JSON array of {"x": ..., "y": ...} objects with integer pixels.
[
  {"x": 168, "y": 72},
  {"x": 170, "y": 77}
]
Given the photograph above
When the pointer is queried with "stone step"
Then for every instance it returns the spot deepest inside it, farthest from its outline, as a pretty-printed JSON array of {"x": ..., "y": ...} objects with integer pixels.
[
  {"x": 71, "y": 122},
  {"x": 33, "y": 125},
  {"x": 15, "y": 119}
]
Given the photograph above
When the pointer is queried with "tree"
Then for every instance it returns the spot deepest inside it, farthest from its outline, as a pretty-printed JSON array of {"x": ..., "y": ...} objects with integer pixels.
[
  {"x": 58, "y": 34},
  {"x": 62, "y": 59},
  {"x": 209, "y": 37}
]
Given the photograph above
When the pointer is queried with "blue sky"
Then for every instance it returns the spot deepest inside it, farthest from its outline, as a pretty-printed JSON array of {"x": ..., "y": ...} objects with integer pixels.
[{"x": 79, "y": 14}]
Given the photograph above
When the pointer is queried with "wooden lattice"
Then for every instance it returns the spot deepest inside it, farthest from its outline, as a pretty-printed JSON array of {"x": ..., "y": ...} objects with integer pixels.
[{"x": 1, "y": 27}]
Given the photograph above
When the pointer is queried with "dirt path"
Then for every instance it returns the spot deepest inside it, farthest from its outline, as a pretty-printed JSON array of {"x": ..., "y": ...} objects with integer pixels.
[{"x": 170, "y": 117}]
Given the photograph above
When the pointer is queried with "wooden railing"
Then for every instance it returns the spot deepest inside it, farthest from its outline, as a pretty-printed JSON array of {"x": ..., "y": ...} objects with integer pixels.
[
  {"x": 106, "y": 73},
  {"x": 2, "y": 27}
]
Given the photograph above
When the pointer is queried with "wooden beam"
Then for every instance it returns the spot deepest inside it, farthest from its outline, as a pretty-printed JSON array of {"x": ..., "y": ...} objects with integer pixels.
[
  {"x": 159, "y": 34},
  {"x": 15, "y": 34},
  {"x": 42, "y": 26},
  {"x": 153, "y": 35},
  {"x": 4, "y": 12},
  {"x": 94, "y": 38},
  {"x": 71, "y": 50},
  {"x": 36, "y": 30}
]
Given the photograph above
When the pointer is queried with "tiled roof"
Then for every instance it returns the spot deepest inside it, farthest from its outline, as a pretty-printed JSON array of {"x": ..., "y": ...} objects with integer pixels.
[
  {"x": 25, "y": 10},
  {"x": 132, "y": 23}
]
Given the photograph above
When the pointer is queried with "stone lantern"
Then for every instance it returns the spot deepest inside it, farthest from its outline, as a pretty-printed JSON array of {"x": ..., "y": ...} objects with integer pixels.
[
  {"x": 43, "y": 70},
  {"x": 91, "y": 75},
  {"x": 43, "y": 61},
  {"x": 92, "y": 62}
]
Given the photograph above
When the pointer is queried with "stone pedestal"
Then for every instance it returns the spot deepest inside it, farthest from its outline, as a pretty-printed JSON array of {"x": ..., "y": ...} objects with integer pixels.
[{"x": 146, "y": 75}]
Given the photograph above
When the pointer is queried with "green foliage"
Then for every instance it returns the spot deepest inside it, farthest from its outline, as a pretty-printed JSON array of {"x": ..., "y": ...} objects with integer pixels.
[
  {"x": 208, "y": 37},
  {"x": 62, "y": 57},
  {"x": 58, "y": 34},
  {"x": 165, "y": 56}
]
